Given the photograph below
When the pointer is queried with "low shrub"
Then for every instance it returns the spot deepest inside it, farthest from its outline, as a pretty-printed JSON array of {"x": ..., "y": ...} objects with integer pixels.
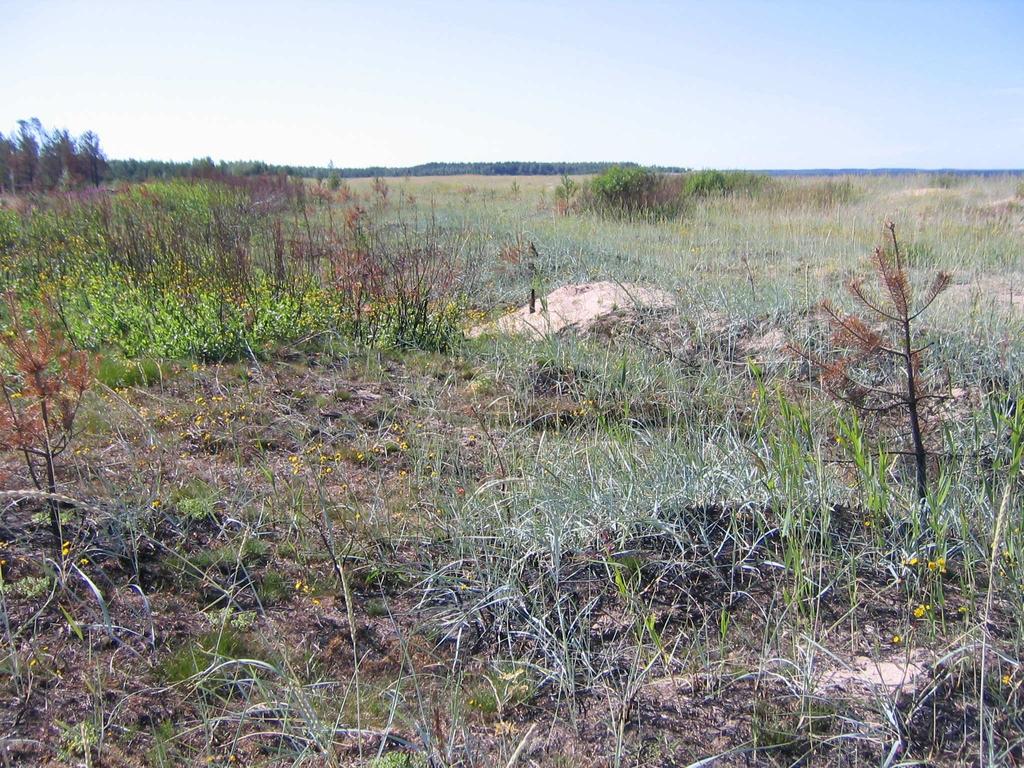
[
  {"x": 627, "y": 188},
  {"x": 632, "y": 191},
  {"x": 709, "y": 183}
]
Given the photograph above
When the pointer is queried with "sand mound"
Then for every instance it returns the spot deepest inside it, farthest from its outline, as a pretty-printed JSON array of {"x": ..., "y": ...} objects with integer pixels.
[{"x": 580, "y": 307}]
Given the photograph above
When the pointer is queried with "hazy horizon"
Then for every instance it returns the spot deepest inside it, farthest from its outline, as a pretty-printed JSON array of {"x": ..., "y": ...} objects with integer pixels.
[{"x": 738, "y": 85}]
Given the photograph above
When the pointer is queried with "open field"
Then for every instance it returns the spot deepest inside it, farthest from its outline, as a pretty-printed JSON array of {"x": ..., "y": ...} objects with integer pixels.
[{"x": 314, "y": 510}]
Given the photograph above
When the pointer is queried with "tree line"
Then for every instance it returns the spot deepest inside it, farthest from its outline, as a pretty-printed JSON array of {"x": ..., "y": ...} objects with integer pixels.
[
  {"x": 34, "y": 159},
  {"x": 139, "y": 170}
]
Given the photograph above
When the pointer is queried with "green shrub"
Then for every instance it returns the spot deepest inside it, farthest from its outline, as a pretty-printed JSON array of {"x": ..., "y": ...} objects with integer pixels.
[
  {"x": 196, "y": 500},
  {"x": 709, "y": 183},
  {"x": 624, "y": 189}
]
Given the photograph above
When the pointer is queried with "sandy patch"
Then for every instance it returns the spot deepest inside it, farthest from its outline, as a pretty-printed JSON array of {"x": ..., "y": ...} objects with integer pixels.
[
  {"x": 580, "y": 307},
  {"x": 999, "y": 293},
  {"x": 922, "y": 192},
  {"x": 1009, "y": 210},
  {"x": 900, "y": 674},
  {"x": 772, "y": 342}
]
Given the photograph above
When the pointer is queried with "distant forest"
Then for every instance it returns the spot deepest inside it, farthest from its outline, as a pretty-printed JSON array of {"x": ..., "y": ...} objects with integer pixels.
[
  {"x": 33, "y": 158},
  {"x": 137, "y": 170}
]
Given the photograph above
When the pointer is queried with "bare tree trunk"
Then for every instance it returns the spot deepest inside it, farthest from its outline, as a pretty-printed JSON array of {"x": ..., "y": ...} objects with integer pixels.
[{"x": 920, "y": 455}]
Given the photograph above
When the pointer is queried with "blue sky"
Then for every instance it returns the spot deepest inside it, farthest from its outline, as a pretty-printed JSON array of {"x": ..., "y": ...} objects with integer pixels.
[{"x": 715, "y": 84}]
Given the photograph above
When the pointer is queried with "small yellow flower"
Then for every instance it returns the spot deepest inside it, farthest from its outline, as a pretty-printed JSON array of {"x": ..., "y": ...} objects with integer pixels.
[
  {"x": 504, "y": 728},
  {"x": 921, "y": 610},
  {"x": 1007, "y": 679},
  {"x": 897, "y": 639},
  {"x": 912, "y": 561}
]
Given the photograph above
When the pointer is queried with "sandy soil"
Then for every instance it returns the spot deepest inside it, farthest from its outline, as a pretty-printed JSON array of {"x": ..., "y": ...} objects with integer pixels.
[{"x": 580, "y": 306}]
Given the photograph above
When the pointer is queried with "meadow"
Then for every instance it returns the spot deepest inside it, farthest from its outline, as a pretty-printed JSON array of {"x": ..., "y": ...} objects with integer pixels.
[{"x": 277, "y": 492}]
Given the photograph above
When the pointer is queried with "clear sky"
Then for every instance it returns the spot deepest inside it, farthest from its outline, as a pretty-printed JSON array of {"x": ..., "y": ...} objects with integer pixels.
[{"x": 711, "y": 84}]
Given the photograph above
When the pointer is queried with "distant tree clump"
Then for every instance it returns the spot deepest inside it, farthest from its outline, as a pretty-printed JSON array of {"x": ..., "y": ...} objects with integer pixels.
[{"x": 33, "y": 159}]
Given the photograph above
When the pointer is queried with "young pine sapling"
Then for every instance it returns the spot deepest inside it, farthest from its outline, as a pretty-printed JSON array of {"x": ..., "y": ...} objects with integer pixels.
[
  {"x": 881, "y": 372},
  {"x": 42, "y": 381}
]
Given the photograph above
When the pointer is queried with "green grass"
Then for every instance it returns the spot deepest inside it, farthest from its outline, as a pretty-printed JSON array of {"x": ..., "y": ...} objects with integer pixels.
[{"x": 117, "y": 373}]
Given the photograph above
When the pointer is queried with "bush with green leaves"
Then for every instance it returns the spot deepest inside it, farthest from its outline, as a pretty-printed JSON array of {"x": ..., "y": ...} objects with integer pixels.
[
  {"x": 624, "y": 189},
  {"x": 709, "y": 183}
]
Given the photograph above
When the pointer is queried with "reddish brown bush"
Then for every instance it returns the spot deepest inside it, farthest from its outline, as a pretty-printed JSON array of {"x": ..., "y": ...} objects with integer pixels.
[{"x": 42, "y": 382}]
